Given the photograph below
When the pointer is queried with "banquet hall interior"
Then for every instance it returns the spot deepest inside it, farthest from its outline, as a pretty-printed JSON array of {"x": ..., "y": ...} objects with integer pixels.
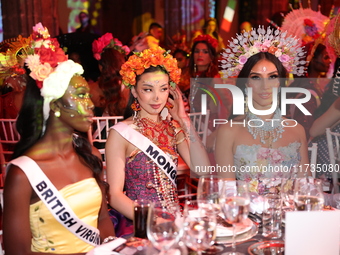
[{"x": 76, "y": 24}]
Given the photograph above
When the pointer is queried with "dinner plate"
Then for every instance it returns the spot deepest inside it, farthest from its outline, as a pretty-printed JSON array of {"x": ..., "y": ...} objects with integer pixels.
[
  {"x": 252, "y": 231},
  {"x": 240, "y": 228},
  {"x": 267, "y": 247}
]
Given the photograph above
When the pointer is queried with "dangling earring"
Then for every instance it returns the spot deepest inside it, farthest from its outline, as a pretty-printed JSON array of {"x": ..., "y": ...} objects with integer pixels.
[
  {"x": 195, "y": 68},
  {"x": 135, "y": 106},
  {"x": 57, "y": 114}
]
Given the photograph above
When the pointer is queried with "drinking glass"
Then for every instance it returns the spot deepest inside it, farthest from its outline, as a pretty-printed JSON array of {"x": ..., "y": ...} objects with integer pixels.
[
  {"x": 287, "y": 194},
  {"x": 208, "y": 191},
  {"x": 235, "y": 201},
  {"x": 308, "y": 194},
  {"x": 164, "y": 227},
  {"x": 199, "y": 226}
]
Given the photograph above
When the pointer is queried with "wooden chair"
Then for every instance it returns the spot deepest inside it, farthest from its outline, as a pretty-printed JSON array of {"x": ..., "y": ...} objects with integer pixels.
[
  {"x": 8, "y": 138},
  {"x": 334, "y": 156}
]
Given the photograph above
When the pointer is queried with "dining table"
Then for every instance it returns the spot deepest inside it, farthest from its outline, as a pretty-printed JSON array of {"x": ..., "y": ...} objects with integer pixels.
[{"x": 136, "y": 246}]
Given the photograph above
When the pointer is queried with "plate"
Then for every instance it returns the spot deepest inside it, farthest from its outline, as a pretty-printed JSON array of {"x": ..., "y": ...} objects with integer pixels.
[
  {"x": 240, "y": 228},
  {"x": 239, "y": 237},
  {"x": 267, "y": 247}
]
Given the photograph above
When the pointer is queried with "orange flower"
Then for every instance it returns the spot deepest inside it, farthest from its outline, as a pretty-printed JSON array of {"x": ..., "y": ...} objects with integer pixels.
[{"x": 137, "y": 64}]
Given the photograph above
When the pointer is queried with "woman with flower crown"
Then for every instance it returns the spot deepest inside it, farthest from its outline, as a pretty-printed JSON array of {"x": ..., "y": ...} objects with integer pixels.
[
  {"x": 54, "y": 198},
  {"x": 254, "y": 145},
  {"x": 142, "y": 151},
  {"x": 110, "y": 53}
]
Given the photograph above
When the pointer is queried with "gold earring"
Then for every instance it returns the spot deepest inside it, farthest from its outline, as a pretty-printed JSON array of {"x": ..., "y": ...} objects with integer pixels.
[{"x": 57, "y": 114}]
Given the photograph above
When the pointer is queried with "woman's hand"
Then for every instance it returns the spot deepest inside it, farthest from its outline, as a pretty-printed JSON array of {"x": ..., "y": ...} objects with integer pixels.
[{"x": 178, "y": 110}]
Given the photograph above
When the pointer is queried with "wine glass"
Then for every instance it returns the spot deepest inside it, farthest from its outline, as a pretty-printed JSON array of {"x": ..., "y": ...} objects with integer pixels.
[
  {"x": 208, "y": 190},
  {"x": 308, "y": 194},
  {"x": 199, "y": 226},
  {"x": 164, "y": 227},
  {"x": 208, "y": 193},
  {"x": 235, "y": 202}
]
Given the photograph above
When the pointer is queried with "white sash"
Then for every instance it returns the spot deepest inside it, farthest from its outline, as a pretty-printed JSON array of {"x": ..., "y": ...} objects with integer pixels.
[
  {"x": 162, "y": 160},
  {"x": 57, "y": 205}
]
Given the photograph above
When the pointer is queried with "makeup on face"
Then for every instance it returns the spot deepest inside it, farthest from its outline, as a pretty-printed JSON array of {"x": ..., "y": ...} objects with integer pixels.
[
  {"x": 77, "y": 99},
  {"x": 152, "y": 92}
]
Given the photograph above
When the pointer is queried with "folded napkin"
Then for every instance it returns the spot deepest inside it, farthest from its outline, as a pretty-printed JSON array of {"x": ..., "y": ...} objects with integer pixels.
[
  {"x": 256, "y": 204},
  {"x": 107, "y": 248}
]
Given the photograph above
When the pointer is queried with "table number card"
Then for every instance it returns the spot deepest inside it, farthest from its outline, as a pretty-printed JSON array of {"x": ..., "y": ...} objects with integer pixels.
[{"x": 312, "y": 233}]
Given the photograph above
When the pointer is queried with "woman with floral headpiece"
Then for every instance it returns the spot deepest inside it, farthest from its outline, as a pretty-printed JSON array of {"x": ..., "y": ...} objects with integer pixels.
[
  {"x": 203, "y": 67},
  {"x": 111, "y": 53},
  {"x": 253, "y": 147},
  {"x": 142, "y": 151},
  {"x": 54, "y": 198}
]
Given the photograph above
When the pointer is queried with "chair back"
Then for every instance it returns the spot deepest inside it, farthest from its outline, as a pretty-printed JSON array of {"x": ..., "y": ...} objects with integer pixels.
[
  {"x": 200, "y": 123},
  {"x": 100, "y": 135},
  {"x": 333, "y": 145},
  {"x": 313, "y": 156},
  {"x": 8, "y": 138}
]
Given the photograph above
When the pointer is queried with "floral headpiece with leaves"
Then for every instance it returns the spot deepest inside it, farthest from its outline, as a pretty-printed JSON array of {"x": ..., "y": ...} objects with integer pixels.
[
  {"x": 108, "y": 41},
  {"x": 49, "y": 66},
  {"x": 137, "y": 63},
  {"x": 286, "y": 48},
  {"x": 208, "y": 38},
  {"x": 12, "y": 55}
]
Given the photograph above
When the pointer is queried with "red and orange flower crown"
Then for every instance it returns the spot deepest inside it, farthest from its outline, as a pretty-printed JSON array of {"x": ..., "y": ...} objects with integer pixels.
[
  {"x": 208, "y": 38},
  {"x": 137, "y": 63},
  {"x": 108, "y": 41}
]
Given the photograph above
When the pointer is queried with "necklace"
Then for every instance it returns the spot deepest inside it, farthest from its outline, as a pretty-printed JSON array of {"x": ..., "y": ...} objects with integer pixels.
[
  {"x": 162, "y": 134},
  {"x": 269, "y": 130}
]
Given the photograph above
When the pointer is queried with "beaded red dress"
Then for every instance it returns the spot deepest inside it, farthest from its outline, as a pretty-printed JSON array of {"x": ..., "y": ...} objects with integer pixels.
[{"x": 143, "y": 178}]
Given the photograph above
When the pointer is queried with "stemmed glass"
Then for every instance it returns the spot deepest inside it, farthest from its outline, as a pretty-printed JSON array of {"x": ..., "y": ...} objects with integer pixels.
[
  {"x": 164, "y": 227},
  {"x": 208, "y": 193},
  {"x": 308, "y": 194},
  {"x": 199, "y": 226},
  {"x": 235, "y": 201}
]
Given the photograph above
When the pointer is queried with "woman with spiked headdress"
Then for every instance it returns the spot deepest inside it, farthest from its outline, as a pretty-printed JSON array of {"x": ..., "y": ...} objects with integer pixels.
[{"x": 264, "y": 139}]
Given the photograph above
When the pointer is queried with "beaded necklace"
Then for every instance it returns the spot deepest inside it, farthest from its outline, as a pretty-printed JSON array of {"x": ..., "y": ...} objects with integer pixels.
[
  {"x": 162, "y": 134},
  {"x": 269, "y": 131}
]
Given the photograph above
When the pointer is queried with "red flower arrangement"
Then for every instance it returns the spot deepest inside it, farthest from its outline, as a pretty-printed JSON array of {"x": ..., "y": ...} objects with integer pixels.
[
  {"x": 212, "y": 41},
  {"x": 107, "y": 41}
]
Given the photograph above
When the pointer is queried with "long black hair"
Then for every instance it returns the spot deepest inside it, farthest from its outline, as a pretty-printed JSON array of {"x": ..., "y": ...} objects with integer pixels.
[
  {"x": 30, "y": 124},
  {"x": 128, "y": 111},
  {"x": 251, "y": 62}
]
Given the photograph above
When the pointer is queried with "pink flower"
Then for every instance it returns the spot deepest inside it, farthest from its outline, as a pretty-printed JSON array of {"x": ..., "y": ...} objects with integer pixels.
[
  {"x": 117, "y": 42},
  {"x": 276, "y": 156},
  {"x": 284, "y": 58},
  {"x": 242, "y": 59},
  {"x": 126, "y": 49},
  {"x": 263, "y": 153},
  {"x": 38, "y": 27},
  {"x": 41, "y": 72}
]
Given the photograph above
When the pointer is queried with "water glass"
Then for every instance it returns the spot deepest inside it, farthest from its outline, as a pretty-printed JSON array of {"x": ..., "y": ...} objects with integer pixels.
[
  {"x": 140, "y": 209},
  {"x": 199, "y": 226},
  {"x": 308, "y": 194},
  {"x": 208, "y": 190},
  {"x": 272, "y": 216},
  {"x": 164, "y": 227}
]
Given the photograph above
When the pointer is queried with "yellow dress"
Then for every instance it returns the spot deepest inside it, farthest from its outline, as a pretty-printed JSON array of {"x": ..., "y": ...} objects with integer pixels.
[{"x": 49, "y": 236}]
